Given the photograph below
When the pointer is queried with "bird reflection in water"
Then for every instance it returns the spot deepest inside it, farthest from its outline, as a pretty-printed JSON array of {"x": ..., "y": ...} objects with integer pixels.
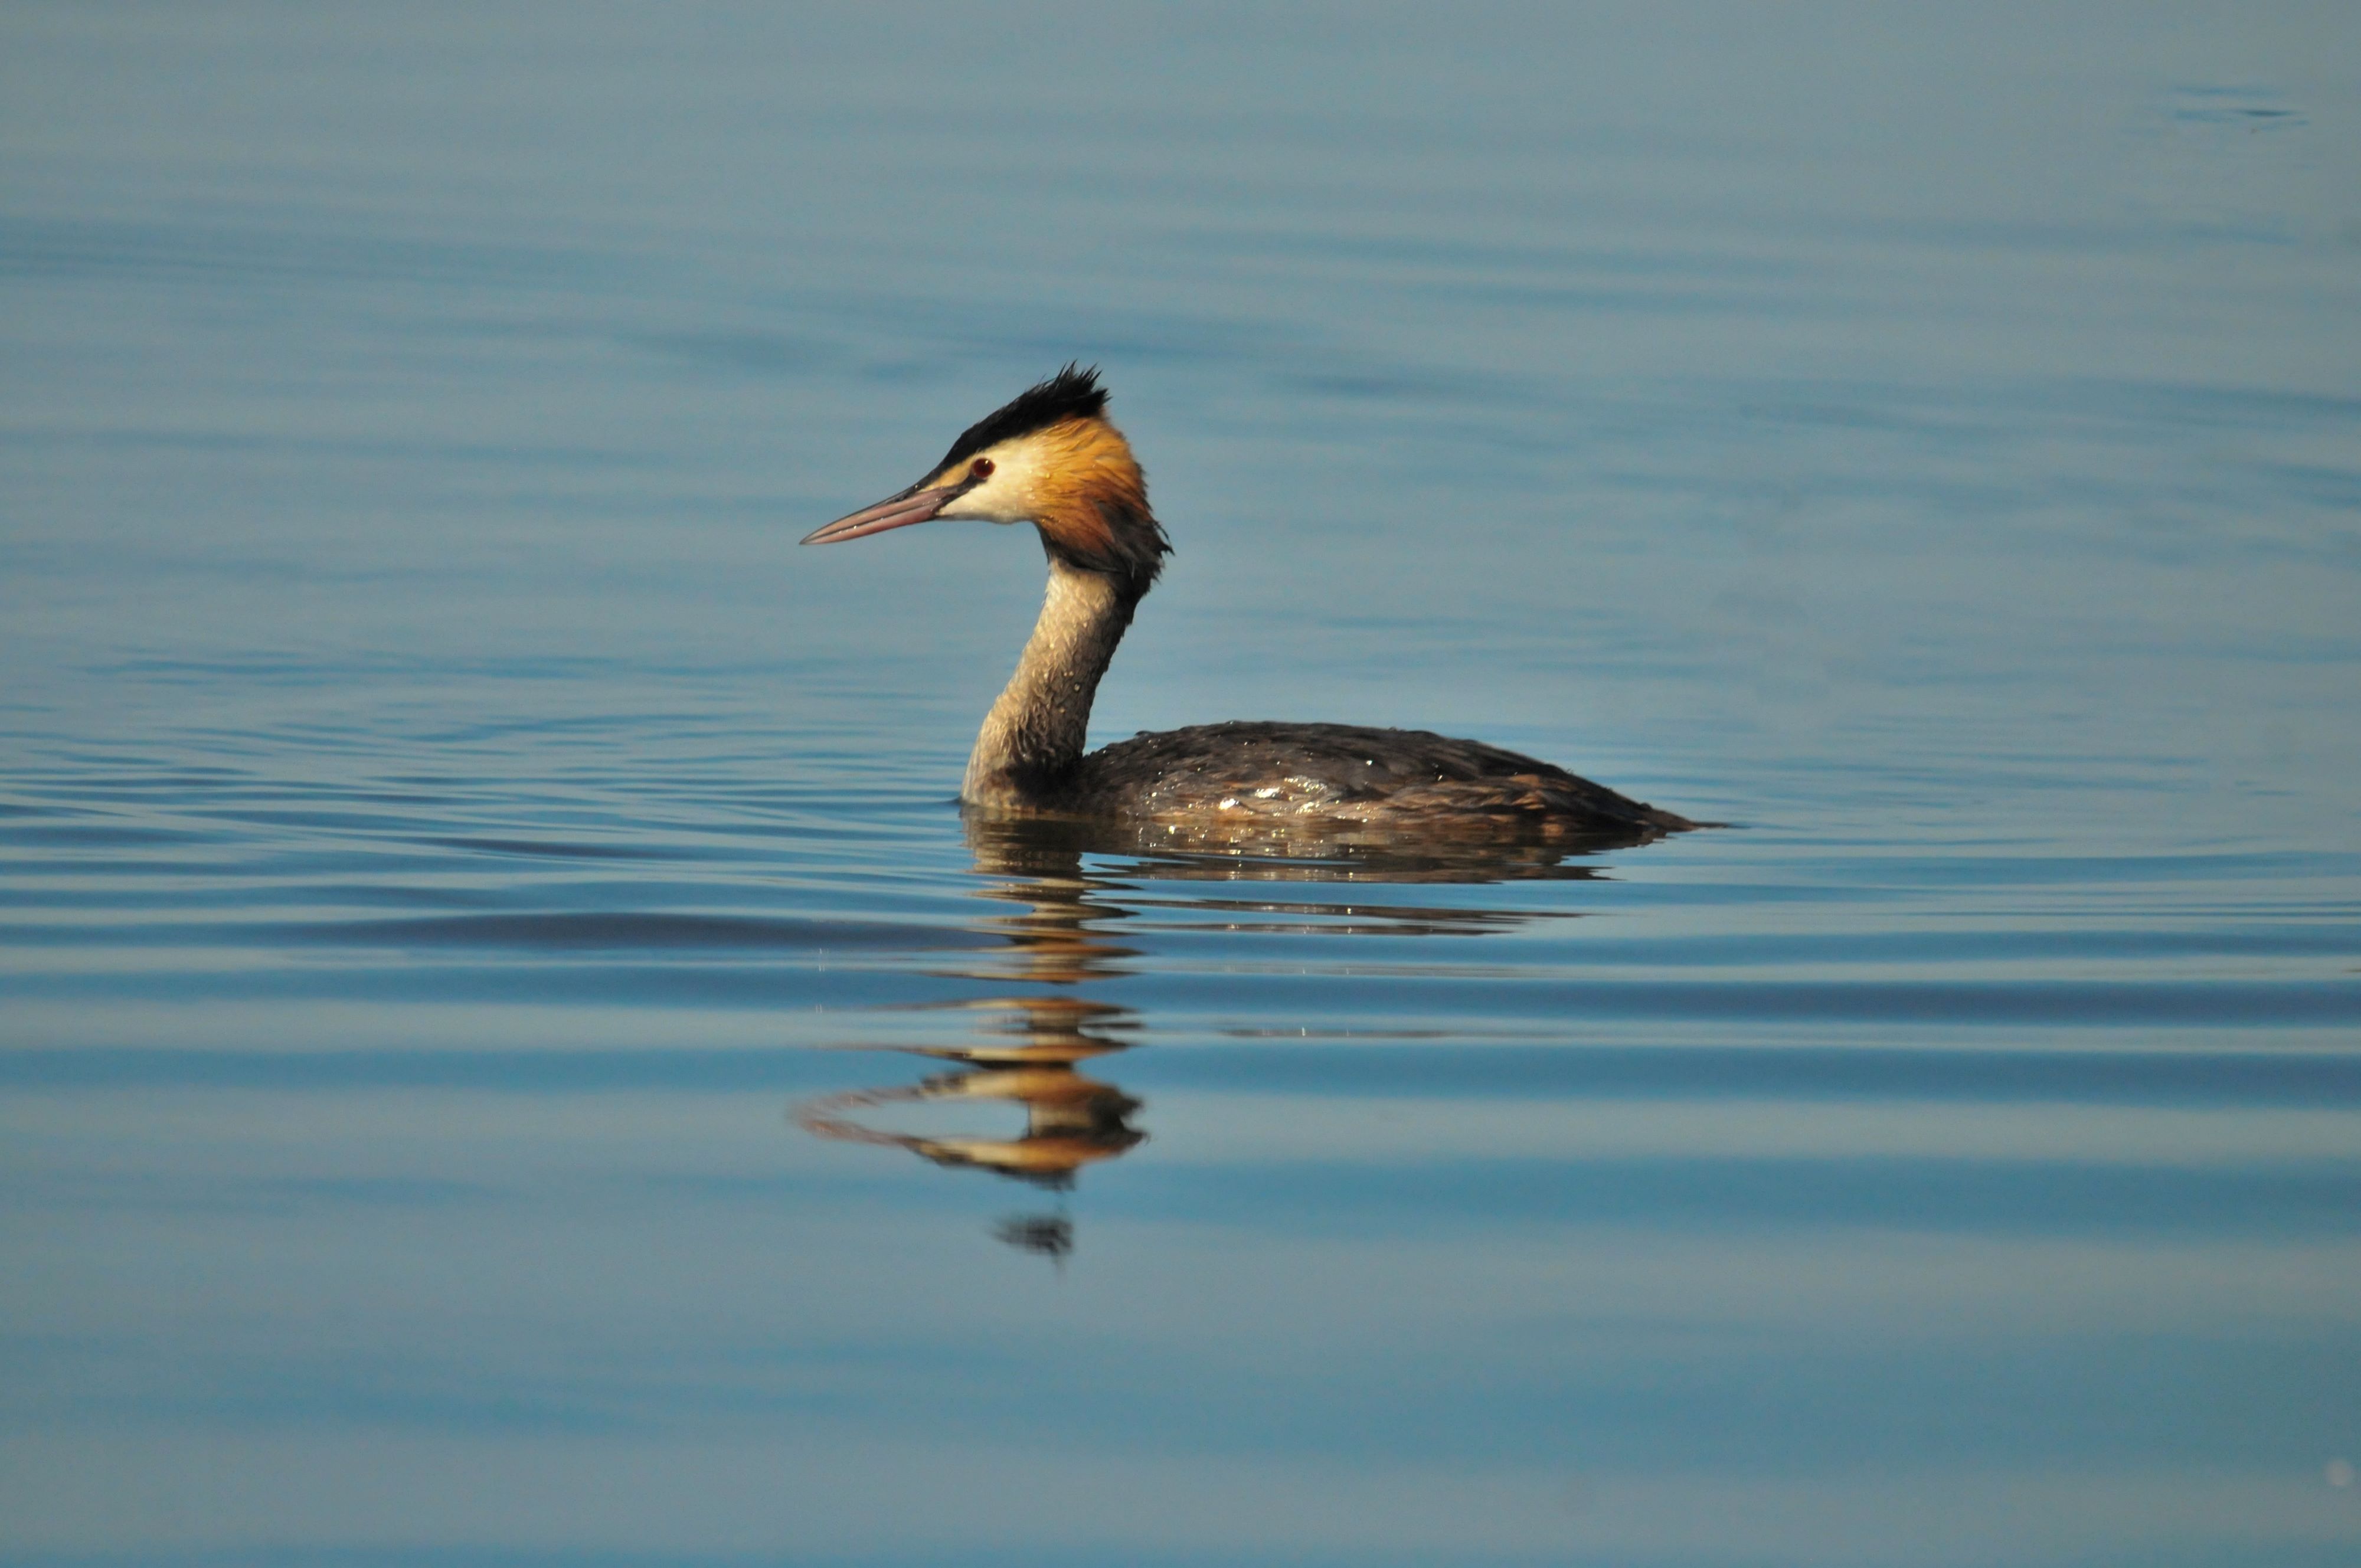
[{"x": 1030, "y": 1050}]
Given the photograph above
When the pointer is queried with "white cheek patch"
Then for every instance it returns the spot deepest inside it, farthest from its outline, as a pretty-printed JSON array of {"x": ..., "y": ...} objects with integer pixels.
[{"x": 1009, "y": 495}]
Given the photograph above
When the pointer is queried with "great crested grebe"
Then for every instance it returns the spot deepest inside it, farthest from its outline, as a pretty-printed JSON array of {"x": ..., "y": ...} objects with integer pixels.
[{"x": 1051, "y": 458}]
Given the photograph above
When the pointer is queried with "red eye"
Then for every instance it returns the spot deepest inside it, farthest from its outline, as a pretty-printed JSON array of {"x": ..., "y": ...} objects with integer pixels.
[{"x": 982, "y": 470}]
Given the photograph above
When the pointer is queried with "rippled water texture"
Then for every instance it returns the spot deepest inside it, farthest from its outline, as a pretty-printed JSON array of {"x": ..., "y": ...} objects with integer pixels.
[{"x": 510, "y": 1055}]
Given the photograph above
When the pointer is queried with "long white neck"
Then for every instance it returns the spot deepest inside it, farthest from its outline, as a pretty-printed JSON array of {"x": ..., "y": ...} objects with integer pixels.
[{"x": 1034, "y": 734}]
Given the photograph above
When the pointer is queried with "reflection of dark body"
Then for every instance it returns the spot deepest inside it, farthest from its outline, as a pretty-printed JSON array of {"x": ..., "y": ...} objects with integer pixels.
[{"x": 1051, "y": 458}]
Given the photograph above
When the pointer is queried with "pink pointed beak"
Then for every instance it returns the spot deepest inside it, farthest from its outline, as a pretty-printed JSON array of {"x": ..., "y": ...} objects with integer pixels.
[{"x": 913, "y": 505}]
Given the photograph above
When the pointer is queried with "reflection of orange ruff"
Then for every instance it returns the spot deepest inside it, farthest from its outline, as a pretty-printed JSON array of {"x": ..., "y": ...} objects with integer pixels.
[
  {"x": 1052, "y": 1030},
  {"x": 1070, "y": 1121}
]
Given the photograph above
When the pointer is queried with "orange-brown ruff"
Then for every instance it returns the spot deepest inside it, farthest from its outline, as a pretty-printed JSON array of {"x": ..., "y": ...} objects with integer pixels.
[{"x": 1053, "y": 458}]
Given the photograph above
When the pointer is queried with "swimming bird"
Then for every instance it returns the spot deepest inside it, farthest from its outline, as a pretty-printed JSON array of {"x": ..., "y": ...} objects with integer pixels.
[{"x": 1051, "y": 458}]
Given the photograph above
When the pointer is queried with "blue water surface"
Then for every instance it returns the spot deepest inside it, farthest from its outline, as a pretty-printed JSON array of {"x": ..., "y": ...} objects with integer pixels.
[{"x": 511, "y": 1054}]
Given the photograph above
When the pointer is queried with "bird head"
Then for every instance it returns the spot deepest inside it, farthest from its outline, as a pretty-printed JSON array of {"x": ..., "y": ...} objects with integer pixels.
[{"x": 1051, "y": 458}]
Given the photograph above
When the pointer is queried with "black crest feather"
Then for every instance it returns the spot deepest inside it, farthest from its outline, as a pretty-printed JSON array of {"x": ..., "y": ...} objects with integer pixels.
[{"x": 1071, "y": 393}]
